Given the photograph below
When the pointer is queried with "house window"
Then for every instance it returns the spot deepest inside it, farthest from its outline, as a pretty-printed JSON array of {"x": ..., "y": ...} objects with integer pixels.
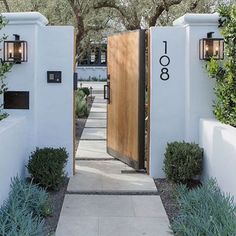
[{"x": 96, "y": 56}]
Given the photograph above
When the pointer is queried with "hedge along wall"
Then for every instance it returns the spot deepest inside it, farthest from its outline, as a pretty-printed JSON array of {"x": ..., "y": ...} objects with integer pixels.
[{"x": 225, "y": 71}]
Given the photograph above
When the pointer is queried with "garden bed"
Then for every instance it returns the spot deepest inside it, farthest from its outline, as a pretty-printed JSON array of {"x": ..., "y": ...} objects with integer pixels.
[
  {"x": 56, "y": 199},
  {"x": 166, "y": 189},
  {"x": 80, "y": 122}
]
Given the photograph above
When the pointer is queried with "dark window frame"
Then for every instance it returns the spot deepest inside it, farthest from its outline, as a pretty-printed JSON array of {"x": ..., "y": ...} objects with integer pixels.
[{"x": 87, "y": 59}]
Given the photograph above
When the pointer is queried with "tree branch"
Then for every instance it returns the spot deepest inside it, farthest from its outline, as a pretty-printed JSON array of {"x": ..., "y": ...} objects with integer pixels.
[
  {"x": 6, "y": 5},
  {"x": 159, "y": 10}
]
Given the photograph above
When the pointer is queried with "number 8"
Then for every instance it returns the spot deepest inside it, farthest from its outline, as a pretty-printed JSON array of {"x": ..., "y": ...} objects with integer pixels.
[{"x": 164, "y": 74}]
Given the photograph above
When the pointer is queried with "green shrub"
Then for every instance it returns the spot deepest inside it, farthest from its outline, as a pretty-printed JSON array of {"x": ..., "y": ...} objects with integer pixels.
[
  {"x": 225, "y": 72},
  {"x": 205, "y": 211},
  {"x": 21, "y": 214},
  {"x": 46, "y": 167},
  {"x": 80, "y": 94},
  {"x": 3, "y": 116},
  {"x": 182, "y": 161},
  {"x": 81, "y": 104},
  {"x": 85, "y": 90},
  {"x": 81, "y": 108}
]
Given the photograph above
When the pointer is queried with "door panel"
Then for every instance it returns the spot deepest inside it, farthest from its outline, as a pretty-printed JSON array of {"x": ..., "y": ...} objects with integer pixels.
[{"x": 126, "y": 91}]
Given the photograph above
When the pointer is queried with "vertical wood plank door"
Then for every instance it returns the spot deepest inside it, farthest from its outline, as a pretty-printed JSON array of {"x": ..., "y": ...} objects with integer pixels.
[{"x": 126, "y": 92}]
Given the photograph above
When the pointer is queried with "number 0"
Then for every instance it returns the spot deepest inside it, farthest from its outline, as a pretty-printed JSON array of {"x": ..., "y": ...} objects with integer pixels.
[{"x": 164, "y": 60}]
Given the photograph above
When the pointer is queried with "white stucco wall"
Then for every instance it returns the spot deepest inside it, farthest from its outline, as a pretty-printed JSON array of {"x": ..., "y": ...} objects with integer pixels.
[
  {"x": 14, "y": 151},
  {"x": 167, "y": 97},
  {"x": 219, "y": 143},
  {"x": 178, "y": 104},
  {"x": 49, "y": 120},
  {"x": 199, "y": 93},
  {"x": 54, "y": 102}
]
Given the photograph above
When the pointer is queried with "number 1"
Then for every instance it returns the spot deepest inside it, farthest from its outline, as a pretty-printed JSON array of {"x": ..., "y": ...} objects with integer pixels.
[{"x": 165, "y": 42}]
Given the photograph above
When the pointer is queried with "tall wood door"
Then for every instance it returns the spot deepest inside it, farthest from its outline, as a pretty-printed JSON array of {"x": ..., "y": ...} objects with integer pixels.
[{"x": 125, "y": 91}]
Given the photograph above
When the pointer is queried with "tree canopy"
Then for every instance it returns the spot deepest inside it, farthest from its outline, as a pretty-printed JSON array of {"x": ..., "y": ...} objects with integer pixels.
[{"x": 95, "y": 19}]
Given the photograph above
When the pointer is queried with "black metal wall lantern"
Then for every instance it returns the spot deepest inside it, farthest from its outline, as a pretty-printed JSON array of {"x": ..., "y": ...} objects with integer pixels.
[
  {"x": 211, "y": 48},
  {"x": 15, "y": 51}
]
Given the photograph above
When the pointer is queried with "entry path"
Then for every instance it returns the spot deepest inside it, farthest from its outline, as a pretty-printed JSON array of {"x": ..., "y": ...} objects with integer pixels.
[{"x": 106, "y": 197}]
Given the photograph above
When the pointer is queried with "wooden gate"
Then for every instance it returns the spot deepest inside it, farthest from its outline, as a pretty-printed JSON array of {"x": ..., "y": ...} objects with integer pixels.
[{"x": 125, "y": 91}]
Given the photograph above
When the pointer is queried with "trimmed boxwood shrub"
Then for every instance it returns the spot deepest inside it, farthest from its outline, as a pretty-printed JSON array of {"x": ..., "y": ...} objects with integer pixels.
[
  {"x": 204, "y": 211},
  {"x": 182, "y": 161},
  {"x": 46, "y": 167}
]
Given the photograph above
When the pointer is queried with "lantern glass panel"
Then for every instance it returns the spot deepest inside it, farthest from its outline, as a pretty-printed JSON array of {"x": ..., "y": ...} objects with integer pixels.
[
  {"x": 15, "y": 51},
  {"x": 211, "y": 48}
]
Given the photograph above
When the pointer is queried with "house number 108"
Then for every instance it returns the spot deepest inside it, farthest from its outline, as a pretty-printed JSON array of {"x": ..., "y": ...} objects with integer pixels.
[{"x": 165, "y": 61}]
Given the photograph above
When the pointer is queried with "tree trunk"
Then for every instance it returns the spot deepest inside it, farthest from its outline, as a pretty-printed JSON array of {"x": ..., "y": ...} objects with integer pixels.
[{"x": 6, "y": 5}]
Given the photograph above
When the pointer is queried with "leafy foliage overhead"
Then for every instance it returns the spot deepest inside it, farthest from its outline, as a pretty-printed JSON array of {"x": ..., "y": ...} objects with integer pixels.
[{"x": 225, "y": 72}]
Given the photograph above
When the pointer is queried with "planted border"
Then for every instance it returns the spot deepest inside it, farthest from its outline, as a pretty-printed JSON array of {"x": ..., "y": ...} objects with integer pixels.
[{"x": 204, "y": 211}]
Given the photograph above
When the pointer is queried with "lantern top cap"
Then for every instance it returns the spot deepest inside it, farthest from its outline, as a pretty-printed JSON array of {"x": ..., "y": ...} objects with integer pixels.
[
  {"x": 197, "y": 19},
  {"x": 25, "y": 18}
]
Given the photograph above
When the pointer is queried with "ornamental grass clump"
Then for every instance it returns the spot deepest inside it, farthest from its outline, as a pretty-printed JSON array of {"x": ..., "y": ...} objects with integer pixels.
[
  {"x": 46, "y": 167},
  {"x": 30, "y": 196},
  {"x": 183, "y": 161},
  {"x": 204, "y": 211},
  {"x": 22, "y": 214}
]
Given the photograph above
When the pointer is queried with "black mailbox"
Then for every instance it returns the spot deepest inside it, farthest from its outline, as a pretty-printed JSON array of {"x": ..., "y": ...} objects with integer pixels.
[{"x": 16, "y": 100}]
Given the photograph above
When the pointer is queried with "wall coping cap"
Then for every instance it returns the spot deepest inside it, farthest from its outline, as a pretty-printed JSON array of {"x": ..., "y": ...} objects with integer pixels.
[
  {"x": 25, "y": 18},
  {"x": 217, "y": 124},
  {"x": 197, "y": 19}
]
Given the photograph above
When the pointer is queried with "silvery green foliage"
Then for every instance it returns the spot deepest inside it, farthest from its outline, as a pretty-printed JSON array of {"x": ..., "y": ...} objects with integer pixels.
[
  {"x": 15, "y": 221},
  {"x": 205, "y": 211},
  {"x": 21, "y": 214},
  {"x": 30, "y": 196}
]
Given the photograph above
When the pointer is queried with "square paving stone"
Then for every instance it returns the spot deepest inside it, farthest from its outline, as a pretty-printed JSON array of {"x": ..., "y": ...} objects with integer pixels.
[
  {"x": 133, "y": 226},
  {"x": 92, "y": 149},
  {"x": 98, "y": 205},
  {"x": 94, "y": 134},
  {"x": 107, "y": 176},
  {"x": 99, "y": 107},
  {"x": 99, "y": 100},
  {"x": 77, "y": 226},
  {"x": 96, "y": 123},
  {"x": 97, "y": 115},
  {"x": 107, "y": 215}
]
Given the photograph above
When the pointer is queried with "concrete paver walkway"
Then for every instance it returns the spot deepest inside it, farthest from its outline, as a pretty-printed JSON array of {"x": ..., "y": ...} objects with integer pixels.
[
  {"x": 107, "y": 197},
  {"x": 92, "y": 149},
  {"x": 93, "y": 123}
]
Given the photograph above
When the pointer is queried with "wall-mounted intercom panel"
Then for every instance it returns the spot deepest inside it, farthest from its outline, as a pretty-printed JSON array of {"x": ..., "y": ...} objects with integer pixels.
[{"x": 54, "y": 76}]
